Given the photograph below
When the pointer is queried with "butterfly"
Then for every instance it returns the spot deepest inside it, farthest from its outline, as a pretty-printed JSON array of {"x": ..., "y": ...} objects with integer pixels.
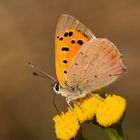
[{"x": 83, "y": 62}]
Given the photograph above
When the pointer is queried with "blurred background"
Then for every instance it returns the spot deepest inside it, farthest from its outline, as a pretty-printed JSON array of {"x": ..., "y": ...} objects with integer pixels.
[{"x": 27, "y": 29}]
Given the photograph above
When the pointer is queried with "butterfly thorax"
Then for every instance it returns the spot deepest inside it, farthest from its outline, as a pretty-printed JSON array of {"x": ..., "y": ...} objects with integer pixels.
[{"x": 72, "y": 93}]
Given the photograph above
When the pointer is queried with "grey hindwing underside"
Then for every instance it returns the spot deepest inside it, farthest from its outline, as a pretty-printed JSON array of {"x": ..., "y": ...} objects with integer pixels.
[{"x": 97, "y": 64}]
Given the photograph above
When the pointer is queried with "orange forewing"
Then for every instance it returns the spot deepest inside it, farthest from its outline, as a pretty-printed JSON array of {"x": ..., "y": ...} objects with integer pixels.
[{"x": 66, "y": 48}]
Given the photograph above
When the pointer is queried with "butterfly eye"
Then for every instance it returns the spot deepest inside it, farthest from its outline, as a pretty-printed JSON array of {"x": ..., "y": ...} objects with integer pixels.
[{"x": 56, "y": 88}]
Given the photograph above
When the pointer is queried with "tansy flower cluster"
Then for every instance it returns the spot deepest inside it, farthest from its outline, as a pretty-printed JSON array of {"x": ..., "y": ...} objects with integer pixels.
[
  {"x": 107, "y": 111},
  {"x": 66, "y": 125}
]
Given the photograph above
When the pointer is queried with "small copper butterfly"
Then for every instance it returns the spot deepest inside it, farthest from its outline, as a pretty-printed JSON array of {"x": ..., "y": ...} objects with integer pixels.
[{"x": 83, "y": 62}]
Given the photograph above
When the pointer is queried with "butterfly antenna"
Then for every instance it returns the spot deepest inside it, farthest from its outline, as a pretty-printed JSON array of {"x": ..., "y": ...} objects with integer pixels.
[
  {"x": 44, "y": 74},
  {"x": 55, "y": 104}
]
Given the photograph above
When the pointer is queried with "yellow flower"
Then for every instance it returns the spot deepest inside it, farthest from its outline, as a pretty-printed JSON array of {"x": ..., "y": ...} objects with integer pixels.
[
  {"x": 66, "y": 125},
  {"x": 86, "y": 107},
  {"x": 111, "y": 110}
]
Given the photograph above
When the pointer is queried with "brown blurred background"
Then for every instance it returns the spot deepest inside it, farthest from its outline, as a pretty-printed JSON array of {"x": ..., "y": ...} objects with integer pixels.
[{"x": 27, "y": 29}]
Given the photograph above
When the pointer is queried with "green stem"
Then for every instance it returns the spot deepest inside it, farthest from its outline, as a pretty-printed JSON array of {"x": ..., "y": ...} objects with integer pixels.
[
  {"x": 119, "y": 130},
  {"x": 80, "y": 135},
  {"x": 119, "y": 135},
  {"x": 109, "y": 132}
]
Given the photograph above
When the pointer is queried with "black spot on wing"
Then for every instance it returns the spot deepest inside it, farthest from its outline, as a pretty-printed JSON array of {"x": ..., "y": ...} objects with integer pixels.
[
  {"x": 81, "y": 53},
  {"x": 80, "y": 42},
  {"x": 61, "y": 38},
  {"x": 65, "y": 49},
  {"x": 65, "y": 71},
  {"x": 66, "y": 34},
  {"x": 70, "y": 33},
  {"x": 85, "y": 70},
  {"x": 65, "y": 61},
  {"x": 76, "y": 64},
  {"x": 73, "y": 41}
]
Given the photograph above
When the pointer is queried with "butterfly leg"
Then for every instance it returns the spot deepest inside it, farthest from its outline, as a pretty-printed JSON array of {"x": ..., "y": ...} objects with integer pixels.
[
  {"x": 93, "y": 95},
  {"x": 74, "y": 102},
  {"x": 68, "y": 100},
  {"x": 78, "y": 105}
]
